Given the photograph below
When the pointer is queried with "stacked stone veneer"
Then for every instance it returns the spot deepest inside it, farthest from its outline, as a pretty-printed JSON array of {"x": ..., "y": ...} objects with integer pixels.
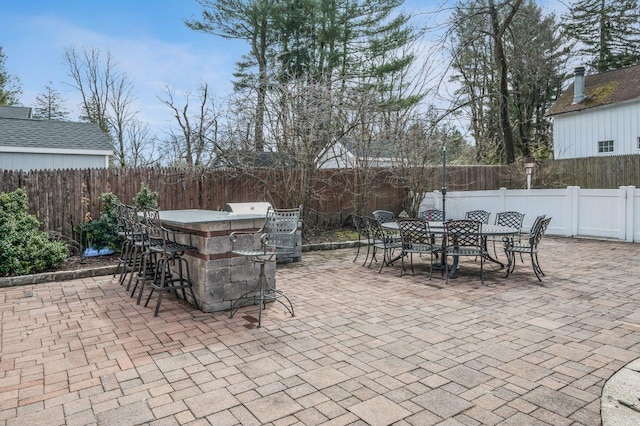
[{"x": 219, "y": 276}]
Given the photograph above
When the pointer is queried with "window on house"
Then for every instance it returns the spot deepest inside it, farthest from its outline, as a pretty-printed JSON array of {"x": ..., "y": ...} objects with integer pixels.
[{"x": 605, "y": 146}]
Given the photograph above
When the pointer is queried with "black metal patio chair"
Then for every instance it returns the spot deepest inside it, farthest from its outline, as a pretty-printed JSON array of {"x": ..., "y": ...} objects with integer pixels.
[
  {"x": 434, "y": 215},
  {"x": 478, "y": 215},
  {"x": 512, "y": 219},
  {"x": 383, "y": 240},
  {"x": 464, "y": 238},
  {"x": 529, "y": 247},
  {"x": 416, "y": 238},
  {"x": 171, "y": 266},
  {"x": 361, "y": 224}
]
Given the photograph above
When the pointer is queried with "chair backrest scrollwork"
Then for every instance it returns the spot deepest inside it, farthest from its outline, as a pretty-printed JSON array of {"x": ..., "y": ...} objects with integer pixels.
[
  {"x": 414, "y": 232},
  {"x": 463, "y": 233},
  {"x": 279, "y": 230},
  {"x": 383, "y": 216},
  {"x": 511, "y": 219},
  {"x": 434, "y": 215},
  {"x": 478, "y": 215}
]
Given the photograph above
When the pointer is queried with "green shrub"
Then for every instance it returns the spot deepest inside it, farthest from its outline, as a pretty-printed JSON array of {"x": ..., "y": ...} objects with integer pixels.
[
  {"x": 146, "y": 198},
  {"x": 102, "y": 232},
  {"x": 24, "y": 249}
]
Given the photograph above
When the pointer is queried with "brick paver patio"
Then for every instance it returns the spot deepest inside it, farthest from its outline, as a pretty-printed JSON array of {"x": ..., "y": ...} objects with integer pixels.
[{"x": 363, "y": 348}]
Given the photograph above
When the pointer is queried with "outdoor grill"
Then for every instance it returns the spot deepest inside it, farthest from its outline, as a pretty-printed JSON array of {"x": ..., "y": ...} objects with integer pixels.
[{"x": 255, "y": 207}]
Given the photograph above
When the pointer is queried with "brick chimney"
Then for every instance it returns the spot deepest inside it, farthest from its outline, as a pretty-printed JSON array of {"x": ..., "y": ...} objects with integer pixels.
[{"x": 578, "y": 86}]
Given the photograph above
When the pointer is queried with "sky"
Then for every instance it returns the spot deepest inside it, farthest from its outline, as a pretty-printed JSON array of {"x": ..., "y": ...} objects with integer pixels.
[{"x": 147, "y": 39}]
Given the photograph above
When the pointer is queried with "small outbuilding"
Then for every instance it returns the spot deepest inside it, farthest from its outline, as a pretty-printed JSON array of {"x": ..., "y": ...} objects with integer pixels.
[{"x": 31, "y": 144}]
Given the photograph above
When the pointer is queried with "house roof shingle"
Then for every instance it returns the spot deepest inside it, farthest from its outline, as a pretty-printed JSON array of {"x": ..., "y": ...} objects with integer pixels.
[
  {"x": 601, "y": 89},
  {"x": 372, "y": 149},
  {"x": 15, "y": 112},
  {"x": 52, "y": 134}
]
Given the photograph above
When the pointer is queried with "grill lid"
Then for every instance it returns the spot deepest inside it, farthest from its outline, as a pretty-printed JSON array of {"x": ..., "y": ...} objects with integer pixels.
[{"x": 256, "y": 207}]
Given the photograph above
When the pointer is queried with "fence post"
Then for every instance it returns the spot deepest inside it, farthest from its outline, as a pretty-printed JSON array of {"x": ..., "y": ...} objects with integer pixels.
[
  {"x": 503, "y": 199},
  {"x": 621, "y": 213},
  {"x": 630, "y": 192},
  {"x": 573, "y": 192}
]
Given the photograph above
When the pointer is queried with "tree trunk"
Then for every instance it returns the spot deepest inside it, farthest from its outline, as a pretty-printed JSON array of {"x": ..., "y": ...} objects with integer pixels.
[
  {"x": 261, "y": 56},
  {"x": 501, "y": 65}
]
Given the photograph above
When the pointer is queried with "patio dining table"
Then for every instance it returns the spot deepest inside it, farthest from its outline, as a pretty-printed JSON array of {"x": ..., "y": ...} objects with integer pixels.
[{"x": 437, "y": 228}]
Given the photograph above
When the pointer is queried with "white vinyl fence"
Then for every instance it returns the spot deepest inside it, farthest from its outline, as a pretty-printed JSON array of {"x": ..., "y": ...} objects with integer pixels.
[{"x": 601, "y": 213}]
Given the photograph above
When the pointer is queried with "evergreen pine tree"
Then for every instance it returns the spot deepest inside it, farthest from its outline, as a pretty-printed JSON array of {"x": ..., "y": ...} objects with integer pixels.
[
  {"x": 608, "y": 32},
  {"x": 49, "y": 105},
  {"x": 9, "y": 85}
]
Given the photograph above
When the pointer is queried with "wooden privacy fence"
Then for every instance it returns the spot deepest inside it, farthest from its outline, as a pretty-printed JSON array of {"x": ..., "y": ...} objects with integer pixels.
[
  {"x": 61, "y": 199},
  {"x": 607, "y": 172}
]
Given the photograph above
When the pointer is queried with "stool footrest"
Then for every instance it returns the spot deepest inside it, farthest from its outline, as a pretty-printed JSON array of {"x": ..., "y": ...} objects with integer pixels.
[{"x": 266, "y": 293}]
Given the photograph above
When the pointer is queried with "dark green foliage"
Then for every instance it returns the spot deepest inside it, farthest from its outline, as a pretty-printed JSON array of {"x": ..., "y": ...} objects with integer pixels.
[
  {"x": 102, "y": 232},
  {"x": 49, "y": 105},
  {"x": 9, "y": 85},
  {"x": 608, "y": 32},
  {"x": 24, "y": 249},
  {"x": 146, "y": 198}
]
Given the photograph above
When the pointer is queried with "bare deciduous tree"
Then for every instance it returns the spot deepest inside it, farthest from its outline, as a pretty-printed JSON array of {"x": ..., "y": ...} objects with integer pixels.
[
  {"x": 141, "y": 145},
  {"x": 93, "y": 78},
  {"x": 121, "y": 116},
  {"x": 195, "y": 142},
  {"x": 107, "y": 98}
]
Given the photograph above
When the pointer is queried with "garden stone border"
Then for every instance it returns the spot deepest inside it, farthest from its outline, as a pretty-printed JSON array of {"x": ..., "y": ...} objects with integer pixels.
[{"x": 47, "y": 277}]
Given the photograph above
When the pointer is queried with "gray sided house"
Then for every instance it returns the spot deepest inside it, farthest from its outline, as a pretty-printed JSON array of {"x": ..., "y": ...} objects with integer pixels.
[
  {"x": 29, "y": 144},
  {"x": 598, "y": 115}
]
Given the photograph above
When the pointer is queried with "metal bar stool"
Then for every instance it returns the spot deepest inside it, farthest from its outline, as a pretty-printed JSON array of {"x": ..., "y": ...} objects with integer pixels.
[
  {"x": 167, "y": 253},
  {"x": 277, "y": 236}
]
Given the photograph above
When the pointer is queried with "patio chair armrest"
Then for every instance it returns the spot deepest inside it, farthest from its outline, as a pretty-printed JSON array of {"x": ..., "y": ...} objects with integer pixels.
[{"x": 234, "y": 235}]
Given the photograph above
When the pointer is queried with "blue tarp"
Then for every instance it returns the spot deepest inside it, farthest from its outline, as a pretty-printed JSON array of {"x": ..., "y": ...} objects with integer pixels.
[{"x": 92, "y": 251}]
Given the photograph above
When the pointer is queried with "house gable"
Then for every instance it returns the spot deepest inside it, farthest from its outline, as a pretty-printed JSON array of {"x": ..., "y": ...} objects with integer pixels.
[
  {"x": 352, "y": 153},
  {"x": 602, "y": 89}
]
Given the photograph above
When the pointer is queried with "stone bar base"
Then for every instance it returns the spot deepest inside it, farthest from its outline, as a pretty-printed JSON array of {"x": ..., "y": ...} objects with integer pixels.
[{"x": 218, "y": 276}]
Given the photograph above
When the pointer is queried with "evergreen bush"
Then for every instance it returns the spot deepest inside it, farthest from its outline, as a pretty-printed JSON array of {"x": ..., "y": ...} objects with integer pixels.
[
  {"x": 102, "y": 232},
  {"x": 24, "y": 249},
  {"x": 146, "y": 198}
]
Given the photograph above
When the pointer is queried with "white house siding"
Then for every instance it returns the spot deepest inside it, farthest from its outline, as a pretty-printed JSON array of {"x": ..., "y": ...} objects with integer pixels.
[
  {"x": 31, "y": 161},
  {"x": 337, "y": 157},
  {"x": 576, "y": 134}
]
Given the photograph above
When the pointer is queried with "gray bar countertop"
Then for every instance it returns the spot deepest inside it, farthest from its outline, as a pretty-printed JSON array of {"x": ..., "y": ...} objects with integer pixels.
[{"x": 196, "y": 216}]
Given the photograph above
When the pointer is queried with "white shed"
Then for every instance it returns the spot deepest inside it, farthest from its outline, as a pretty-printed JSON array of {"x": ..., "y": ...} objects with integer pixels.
[
  {"x": 598, "y": 115},
  {"x": 29, "y": 144}
]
